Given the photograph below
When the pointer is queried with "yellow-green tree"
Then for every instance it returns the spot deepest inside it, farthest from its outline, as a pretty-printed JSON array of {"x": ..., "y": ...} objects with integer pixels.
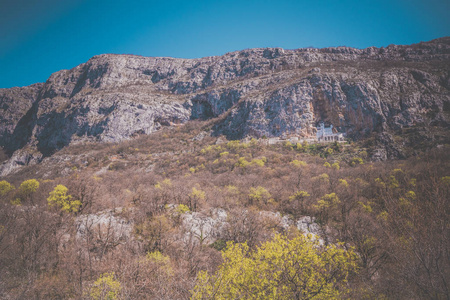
[
  {"x": 59, "y": 198},
  {"x": 5, "y": 187},
  {"x": 29, "y": 186},
  {"x": 105, "y": 287},
  {"x": 356, "y": 161},
  {"x": 259, "y": 196},
  {"x": 336, "y": 166},
  {"x": 26, "y": 190},
  {"x": 282, "y": 268},
  {"x": 327, "y": 205},
  {"x": 195, "y": 198},
  {"x": 298, "y": 198}
]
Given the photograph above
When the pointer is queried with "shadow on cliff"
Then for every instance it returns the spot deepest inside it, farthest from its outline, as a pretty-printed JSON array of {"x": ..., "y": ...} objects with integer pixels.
[
  {"x": 23, "y": 131},
  {"x": 60, "y": 128}
]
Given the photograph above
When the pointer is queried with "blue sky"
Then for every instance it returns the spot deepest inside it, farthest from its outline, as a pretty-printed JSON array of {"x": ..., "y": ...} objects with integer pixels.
[{"x": 38, "y": 38}]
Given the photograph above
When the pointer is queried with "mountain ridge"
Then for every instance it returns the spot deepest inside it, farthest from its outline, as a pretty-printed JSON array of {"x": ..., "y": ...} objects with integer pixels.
[{"x": 265, "y": 92}]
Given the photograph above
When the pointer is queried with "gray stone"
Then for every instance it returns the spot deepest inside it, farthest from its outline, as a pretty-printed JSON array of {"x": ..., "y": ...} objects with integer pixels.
[
  {"x": 104, "y": 225},
  {"x": 204, "y": 228},
  {"x": 264, "y": 92}
]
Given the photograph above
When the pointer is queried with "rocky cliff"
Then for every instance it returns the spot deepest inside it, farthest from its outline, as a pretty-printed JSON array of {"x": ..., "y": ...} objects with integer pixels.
[{"x": 255, "y": 92}]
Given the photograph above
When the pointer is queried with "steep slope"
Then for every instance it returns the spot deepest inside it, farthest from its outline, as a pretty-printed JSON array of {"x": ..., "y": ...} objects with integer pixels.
[{"x": 257, "y": 92}]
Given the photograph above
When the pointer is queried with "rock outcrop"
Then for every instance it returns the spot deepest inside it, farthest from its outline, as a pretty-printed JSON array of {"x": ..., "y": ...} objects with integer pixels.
[{"x": 257, "y": 92}]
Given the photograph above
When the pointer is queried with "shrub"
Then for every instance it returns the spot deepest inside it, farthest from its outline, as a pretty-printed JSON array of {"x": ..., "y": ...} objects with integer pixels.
[
  {"x": 288, "y": 144},
  {"x": 5, "y": 187},
  {"x": 336, "y": 166},
  {"x": 59, "y": 198},
  {"x": 259, "y": 195},
  {"x": 106, "y": 287},
  {"x": 196, "y": 197},
  {"x": 182, "y": 209},
  {"x": 280, "y": 269},
  {"x": 356, "y": 161},
  {"x": 166, "y": 183},
  {"x": 242, "y": 162},
  {"x": 27, "y": 189},
  {"x": 299, "y": 197},
  {"x": 298, "y": 163},
  {"x": 343, "y": 182}
]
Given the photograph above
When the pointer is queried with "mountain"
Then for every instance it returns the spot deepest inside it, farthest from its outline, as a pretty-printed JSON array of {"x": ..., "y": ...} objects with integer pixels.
[
  {"x": 271, "y": 92},
  {"x": 117, "y": 177}
]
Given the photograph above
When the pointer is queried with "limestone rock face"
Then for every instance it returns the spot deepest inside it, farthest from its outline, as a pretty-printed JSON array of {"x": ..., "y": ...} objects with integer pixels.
[
  {"x": 15, "y": 113},
  {"x": 259, "y": 92}
]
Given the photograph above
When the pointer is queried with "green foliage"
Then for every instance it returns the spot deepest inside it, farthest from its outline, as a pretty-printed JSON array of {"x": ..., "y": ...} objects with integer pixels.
[
  {"x": 298, "y": 163},
  {"x": 383, "y": 216},
  {"x": 366, "y": 207},
  {"x": 411, "y": 195},
  {"x": 379, "y": 182},
  {"x": 393, "y": 182},
  {"x": 259, "y": 161},
  {"x": 327, "y": 201},
  {"x": 356, "y": 161},
  {"x": 260, "y": 195},
  {"x": 398, "y": 171},
  {"x": 5, "y": 187},
  {"x": 157, "y": 257},
  {"x": 243, "y": 163},
  {"x": 26, "y": 191},
  {"x": 336, "y": 166},
  {"x": 151, "y": 232},
  {"x": 182, "y": 209},
  {"x": 16, "y": 201},
  {"x": 280, "y": 269},
  {"x": 343, "y": 182},
  {"x": 299, "y": 195},
  {"x": 197, "y": 194},
  {"x": 160, "y": 264},
  {"x": 28, "y": 187},
  {"x": 327, "y": 165},
  {"x": 288, "y": 144},
  {"x": 327, "y": 205},
  {"x": 298, "y": 198},
  {"x": 324, "y": 178},
  {"x": 196, "y": 197},
  {"x": 219, "y": 245},
  {"x": 233, "y": 190},
  {"x": 312, "y": 148},
  {"x": 445, "y": 180},
  {"x": 337, "y": 147},
  {"x": 165, "y": 184},
  {"x": 105, "y": 287},
  {"x": 328, "y": 151},
  {"x": 59, "y": 198},
  {"x": 212, "y": 148}
]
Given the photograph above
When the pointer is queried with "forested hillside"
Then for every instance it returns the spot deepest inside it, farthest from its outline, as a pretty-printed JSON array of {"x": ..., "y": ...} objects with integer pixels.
[{"x": 182, "y": 213}]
